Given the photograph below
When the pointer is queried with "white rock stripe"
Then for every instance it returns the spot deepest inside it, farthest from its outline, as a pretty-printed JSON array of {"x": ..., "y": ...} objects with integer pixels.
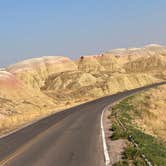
[{"x": 106, "y": 155}]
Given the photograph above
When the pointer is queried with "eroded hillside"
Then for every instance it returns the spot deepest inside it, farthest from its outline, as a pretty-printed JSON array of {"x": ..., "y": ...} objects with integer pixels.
[{"x": 37, "y": 87}]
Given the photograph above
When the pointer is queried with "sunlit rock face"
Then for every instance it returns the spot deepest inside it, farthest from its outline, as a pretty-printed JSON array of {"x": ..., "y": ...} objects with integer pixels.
[
  {"x": 34, "y": 71},
  {"x": 150, "y": 57},
  {"x": 98, "y": 63},
  {"x": 149, "y": 63},
  {"x": 10, "y": 86},
  {"x": 109, "y": 62},
  {"x": 69, "y": 80},
  {"x": 148, "y": 50},
  {"x": 9, "y": 80},
  {"x": 90, "y": 64},
  {"x": 71, "y": 86}
]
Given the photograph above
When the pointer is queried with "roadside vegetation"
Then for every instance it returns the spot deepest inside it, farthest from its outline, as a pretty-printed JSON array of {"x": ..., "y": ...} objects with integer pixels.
[{"x": 140, "y": 144}]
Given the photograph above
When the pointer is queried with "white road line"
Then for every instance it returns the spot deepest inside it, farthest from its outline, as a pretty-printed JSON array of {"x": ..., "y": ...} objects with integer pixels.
[{"x": 106, "y": 155}]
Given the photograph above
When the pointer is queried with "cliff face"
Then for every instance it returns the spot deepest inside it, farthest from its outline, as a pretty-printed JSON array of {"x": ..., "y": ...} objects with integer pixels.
[{"x": 39, "y": 86}]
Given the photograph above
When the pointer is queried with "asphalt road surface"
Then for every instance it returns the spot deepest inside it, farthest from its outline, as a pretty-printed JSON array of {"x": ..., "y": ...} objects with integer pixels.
[{"x": 68, "y": 138}]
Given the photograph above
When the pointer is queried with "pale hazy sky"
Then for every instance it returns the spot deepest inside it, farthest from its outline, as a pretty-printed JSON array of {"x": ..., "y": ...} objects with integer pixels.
[{"x": 33, "y": 28}]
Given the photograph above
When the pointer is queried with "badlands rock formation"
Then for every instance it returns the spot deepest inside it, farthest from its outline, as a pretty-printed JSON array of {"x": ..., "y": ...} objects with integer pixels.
[
  {"x": 37, "y": 87},
  {"x": 34, "y": 71}
]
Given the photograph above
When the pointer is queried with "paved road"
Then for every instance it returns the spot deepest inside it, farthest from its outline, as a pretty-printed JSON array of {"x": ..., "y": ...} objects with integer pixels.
[{"x": 68, "y": 138}]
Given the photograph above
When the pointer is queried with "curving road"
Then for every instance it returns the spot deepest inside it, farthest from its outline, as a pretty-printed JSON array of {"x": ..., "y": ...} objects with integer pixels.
[{"x": 68, "y": 138}]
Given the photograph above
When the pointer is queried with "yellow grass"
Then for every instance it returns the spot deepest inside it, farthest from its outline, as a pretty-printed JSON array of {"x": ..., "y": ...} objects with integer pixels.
[{"x": 153, "y": 120}]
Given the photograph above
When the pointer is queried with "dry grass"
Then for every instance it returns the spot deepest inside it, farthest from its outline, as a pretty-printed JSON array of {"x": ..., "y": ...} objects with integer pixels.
[{"x": 152, "y": 120}]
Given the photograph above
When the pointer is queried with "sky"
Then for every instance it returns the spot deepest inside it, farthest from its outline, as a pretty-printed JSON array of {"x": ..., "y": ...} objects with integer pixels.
[{"x": 34, "y": 28}]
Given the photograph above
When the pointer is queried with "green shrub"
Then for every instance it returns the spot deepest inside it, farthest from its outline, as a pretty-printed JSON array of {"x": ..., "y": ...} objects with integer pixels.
[
  {"x": 118, "y": 132},
  {"x": 121, "y": 163},
  {"x": 139, "y": 162},
  {"x": 131, "y": 153}
]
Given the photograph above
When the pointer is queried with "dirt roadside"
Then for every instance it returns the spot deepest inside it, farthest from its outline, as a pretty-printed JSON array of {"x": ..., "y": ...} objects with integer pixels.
[{"x": 115, "y": 148}]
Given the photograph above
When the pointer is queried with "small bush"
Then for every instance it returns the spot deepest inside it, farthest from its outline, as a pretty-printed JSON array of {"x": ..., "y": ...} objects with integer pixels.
[
  {"x": 139, "y": 162},
  {"x": 121, "y": 163},
  {"x": 131, "y": 153},
  {"x": 118, "y": 132}
]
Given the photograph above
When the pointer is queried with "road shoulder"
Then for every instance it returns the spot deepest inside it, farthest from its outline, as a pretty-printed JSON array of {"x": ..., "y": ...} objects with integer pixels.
[{"x": 115, "y": 148}]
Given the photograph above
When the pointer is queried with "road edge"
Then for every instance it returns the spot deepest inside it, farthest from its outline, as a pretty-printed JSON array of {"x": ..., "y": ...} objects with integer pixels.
[{"x": 105, "y": 148}]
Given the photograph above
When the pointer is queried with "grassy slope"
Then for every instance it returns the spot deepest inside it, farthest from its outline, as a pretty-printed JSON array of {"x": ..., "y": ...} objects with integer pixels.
[{"x": 153, "y": 148}]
